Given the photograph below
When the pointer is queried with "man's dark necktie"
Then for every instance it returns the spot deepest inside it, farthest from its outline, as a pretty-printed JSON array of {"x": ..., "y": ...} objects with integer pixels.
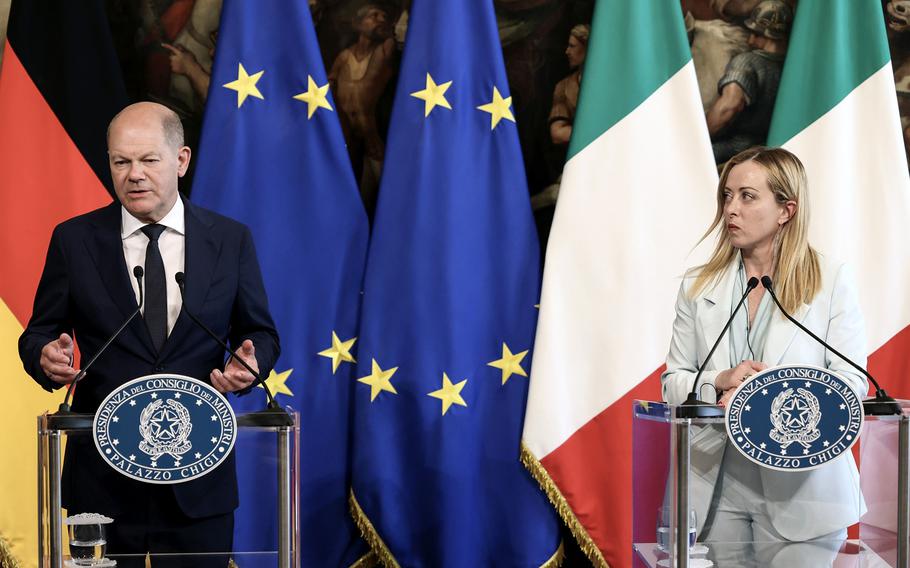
[{"x": 155, "y": 287}]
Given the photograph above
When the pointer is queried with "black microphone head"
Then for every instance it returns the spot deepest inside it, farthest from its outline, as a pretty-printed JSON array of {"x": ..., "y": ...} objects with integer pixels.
[
  {"x": 752, "y": 283},
  {"x": 138, "y": 272},
  {"x": 766, "y": 282},
  {"x": 179, "y": 277}
]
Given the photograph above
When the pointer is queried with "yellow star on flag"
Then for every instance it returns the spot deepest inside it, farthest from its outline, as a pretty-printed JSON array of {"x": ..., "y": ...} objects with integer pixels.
[
  {"x": 433, "y": 95},
  {"x": 314, "y": 97},
  {"x": 379, "y": 380},
  {"x": 498, "y": 109},
  {"x": 339, "y": 351},
  {"x": 245, "y": 85},
  {"x": 449, "y": 394},
  {"x": 510, "y": 363},
  {"x": 277, "y": 382}
]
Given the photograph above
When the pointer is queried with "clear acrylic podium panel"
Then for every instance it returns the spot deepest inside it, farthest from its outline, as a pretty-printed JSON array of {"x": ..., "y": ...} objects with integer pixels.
[
  {"x": 267, "y": 460},
  {"x": 660, "y": 472}
]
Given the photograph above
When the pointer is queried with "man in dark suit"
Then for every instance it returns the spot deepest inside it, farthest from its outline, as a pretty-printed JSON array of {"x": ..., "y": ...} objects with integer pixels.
[{"x": 87, "y": 290}]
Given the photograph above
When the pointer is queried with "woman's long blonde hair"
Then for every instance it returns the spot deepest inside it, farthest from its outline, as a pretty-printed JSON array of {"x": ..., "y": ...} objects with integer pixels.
[{"x": 797, "y": 275}]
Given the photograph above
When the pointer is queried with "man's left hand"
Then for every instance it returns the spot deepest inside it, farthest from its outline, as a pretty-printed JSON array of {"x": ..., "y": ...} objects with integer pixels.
[{"x": 235, "y": 377}]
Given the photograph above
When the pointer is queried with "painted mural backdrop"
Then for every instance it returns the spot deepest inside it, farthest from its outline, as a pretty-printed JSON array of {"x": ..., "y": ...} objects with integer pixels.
[{"x": 738, "y": 47}]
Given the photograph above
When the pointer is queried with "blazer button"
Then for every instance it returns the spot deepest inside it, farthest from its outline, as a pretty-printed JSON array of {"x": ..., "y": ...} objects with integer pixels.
[{"x": 159, "y": 368}]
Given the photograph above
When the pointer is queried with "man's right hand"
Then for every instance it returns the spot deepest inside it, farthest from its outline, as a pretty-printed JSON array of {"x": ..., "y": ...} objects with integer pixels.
[{"x": 57, "y": 360}]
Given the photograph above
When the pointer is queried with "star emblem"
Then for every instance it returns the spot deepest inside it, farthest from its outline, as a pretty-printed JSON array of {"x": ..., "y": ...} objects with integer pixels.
[
  {"x": 176, "y": 395},
  {"x": 786, "y": 385},
  {"x": 277, "y": 382},
  {"x": 132, "y": 457},
  {"x": 762, "y": 445},
  {"x": 808, "y": 384},
  {"x": 339, "y": 351},
  {"x": 433, "y": 95},
  {"x": 843, "y": 406},
  {"x": 154, "y": 395},
  {"x": 764, "y": 391},
  {"x": 805, "y": 451},
  {"x": 796, "y": 413},
  {"x": 510, "y": 363},
  {"x": 198, "y": 455},
  {"x": 214, "y": 440},
  {"x": 198, "y": 402},
  {"x": 115, "y": 419},
  {"x": 783, "y": 452},
  {"x": 116, "y": 442},
  {"x": 827, "y": 443},
  {"x": 748, "y": 408},
  {"x": 165, "y": 424},
  {"x": 132, "y": 403},
  {"x": 827, "y": 391},
  {"x": 449, "y": 394},
  {"x": 245, "y": 85},
  {"x": 314, "y": 97},
  {"x": 498, "y": 109},
  {"x": 379, "y": 380},
  {"x": 748, "y": 430},
  {"x": 214, "y": 418},
  {"x": 841, "y": 428}
]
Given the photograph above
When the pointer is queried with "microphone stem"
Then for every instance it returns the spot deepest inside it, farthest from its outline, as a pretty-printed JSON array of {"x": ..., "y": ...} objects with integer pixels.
[
  {"x": 65, "y": 405},
  {"x": 751, "y": 286},
  {"x": 272, "y": 403},
  {"x": 878, "y": 389}
]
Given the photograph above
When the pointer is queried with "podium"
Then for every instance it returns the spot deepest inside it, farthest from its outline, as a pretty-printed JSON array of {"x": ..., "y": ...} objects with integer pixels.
[
  {"x": 274, "y": 447},
  {"x": 670, "y": 459}
]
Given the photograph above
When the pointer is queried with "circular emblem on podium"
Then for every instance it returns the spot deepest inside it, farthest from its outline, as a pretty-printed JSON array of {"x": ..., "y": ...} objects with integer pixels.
[
  {"x": 794, "y": 417},
  {"x": 164, "y": 429}
]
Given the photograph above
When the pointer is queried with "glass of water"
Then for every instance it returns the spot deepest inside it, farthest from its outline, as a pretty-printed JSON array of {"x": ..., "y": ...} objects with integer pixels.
[
  {"x": 663, "y": 528},
  {"x": 87, "y": 539}
]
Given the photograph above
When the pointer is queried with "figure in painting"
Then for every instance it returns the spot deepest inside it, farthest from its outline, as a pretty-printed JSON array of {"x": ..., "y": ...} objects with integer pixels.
[
  {"x": 741, "y": 115},
  {"x": 358, "y": 78}
]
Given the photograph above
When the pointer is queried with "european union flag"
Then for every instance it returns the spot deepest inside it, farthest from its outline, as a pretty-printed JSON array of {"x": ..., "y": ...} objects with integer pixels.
[
  {"x": 272, "y": 156},
  {"x": 449, "y": 313}
]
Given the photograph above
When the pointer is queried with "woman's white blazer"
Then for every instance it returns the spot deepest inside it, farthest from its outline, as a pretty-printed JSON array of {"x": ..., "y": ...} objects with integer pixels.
[{"x": 801, "y": 505}]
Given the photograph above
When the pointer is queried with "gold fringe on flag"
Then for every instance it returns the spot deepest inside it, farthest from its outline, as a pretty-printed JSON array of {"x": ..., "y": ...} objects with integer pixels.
[
  {"x": 383, "y": 553},
  {"x": 370, "y": 535},
  {"x": 368, "y": 560},
  {"x": 562, "y": 507},
  {"x": 555, "y": 561},
  {"x": 7, "y": 560}
]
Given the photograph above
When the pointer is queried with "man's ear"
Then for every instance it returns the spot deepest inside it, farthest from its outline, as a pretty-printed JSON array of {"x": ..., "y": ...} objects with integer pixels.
[{"x": 183, "y": 160}]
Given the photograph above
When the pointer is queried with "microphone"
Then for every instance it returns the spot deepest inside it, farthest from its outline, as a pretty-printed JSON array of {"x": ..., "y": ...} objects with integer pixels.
[
  {"x": 693, "y": 407},
  {"x": 138, "y": 273},
  {"x": 881, "y": 404},
  {"x": 181, "y": 280}
]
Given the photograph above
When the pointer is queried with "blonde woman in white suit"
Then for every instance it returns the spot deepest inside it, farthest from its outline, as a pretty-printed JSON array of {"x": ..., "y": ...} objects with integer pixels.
[{"x": 762, "y": 226}]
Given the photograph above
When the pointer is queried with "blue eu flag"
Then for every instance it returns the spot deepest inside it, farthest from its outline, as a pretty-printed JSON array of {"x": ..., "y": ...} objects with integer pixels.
[
  {"x": 272, "y": 156},
  {"x": 449, "y": 313}
]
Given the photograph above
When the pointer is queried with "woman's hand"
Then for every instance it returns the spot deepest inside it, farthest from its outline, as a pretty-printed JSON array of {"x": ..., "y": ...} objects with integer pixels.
[{"x": 732, "y": 378}]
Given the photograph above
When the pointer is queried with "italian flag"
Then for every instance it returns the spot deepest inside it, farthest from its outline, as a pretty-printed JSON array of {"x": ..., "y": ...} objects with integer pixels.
[
  {"x": 637, "y": 194},
  {"x": 837, "y": 110}
]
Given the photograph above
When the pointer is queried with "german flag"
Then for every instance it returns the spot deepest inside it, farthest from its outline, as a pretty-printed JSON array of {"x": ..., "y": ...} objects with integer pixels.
[{"x": 60, "y": 84}]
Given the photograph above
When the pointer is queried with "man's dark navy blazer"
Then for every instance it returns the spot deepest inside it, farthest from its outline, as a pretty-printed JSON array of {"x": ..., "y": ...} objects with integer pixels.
[{"x": 85, "y": 290}]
